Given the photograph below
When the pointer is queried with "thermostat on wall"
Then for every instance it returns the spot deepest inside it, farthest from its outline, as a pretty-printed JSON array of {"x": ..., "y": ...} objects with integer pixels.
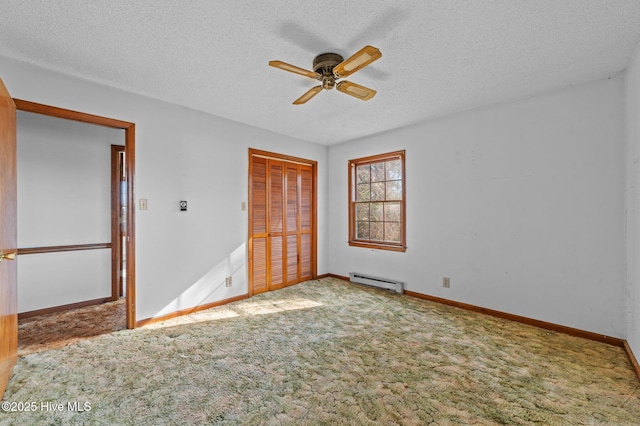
[{"x": 183, "y": 206}]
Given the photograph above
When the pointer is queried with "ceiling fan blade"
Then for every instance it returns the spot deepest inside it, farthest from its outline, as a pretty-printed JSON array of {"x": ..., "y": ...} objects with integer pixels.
[
  {"x": 294, "y": 69},
  {"x": 359, "y": 60},
  {"x": 308, "y": 95},
  {"x": 355, "y": 90}
]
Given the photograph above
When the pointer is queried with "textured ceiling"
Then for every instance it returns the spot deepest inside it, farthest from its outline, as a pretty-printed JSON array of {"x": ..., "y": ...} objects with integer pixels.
[{"x": 439, "y": 57}]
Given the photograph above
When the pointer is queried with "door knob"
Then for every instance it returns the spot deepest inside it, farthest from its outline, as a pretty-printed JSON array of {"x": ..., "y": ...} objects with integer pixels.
[{"x": 7, "y": 256}]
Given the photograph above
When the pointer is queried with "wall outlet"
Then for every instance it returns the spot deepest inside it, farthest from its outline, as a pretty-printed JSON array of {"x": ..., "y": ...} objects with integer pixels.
[
  {"x": 229, "y": 281},
  {"x": 446, "y": 282}
]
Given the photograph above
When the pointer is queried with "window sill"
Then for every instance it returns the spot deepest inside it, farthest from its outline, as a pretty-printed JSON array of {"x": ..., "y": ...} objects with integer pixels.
[{"x": 377, "y": 246}]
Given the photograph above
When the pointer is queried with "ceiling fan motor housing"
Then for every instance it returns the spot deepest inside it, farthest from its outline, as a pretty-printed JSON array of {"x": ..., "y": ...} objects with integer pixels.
[{"x": 323, "y": 64}]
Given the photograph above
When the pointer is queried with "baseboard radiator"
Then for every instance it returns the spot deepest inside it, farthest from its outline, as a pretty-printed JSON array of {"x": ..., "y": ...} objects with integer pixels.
[{"x": 356, "y": 277}]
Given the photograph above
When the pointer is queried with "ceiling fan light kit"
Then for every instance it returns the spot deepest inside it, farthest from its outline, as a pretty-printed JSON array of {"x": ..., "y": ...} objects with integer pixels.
[{"x": 329, "y": 67}]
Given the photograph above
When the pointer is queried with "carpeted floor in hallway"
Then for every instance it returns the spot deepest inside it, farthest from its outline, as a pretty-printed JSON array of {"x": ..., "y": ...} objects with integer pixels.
[{"x": 58, "y": 329}]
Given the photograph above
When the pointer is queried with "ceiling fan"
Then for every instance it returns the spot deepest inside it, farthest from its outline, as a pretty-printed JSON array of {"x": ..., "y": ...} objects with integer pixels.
[{"x": 329, "y": 67}]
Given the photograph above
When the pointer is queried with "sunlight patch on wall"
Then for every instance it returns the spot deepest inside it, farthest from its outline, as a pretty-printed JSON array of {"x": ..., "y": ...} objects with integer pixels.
[{"x": 211, "y": 287}]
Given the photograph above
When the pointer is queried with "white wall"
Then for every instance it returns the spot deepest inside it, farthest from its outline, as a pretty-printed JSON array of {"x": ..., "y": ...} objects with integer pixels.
[
  {"x": 64, "y": 186},
  {"x": 181, "y": 154},
  {"x": 64, "y": 181},
  {"x": 521, "y": 205},
  {"x": 632, "y": 125}
]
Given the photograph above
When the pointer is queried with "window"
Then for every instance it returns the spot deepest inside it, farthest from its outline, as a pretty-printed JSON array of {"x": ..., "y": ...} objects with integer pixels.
[{"x": 377, "y": 202}]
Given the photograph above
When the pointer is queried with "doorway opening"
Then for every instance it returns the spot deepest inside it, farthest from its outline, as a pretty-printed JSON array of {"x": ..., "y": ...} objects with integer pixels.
[{"x": 122, "y": 242}]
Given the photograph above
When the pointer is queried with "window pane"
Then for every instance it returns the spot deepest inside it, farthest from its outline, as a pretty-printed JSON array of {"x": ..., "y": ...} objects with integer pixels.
[
  {"x": 377, "y": 231},
  {"x": 363, "y": 174},
  {"x": 377, "y": 172},
  {"x": 392, "y": 232},
  {"x": 394, "y": 170},
  {"x": 392, "y": 212},
  {"x": 362, "y": 230},
  {"x": 394, "y": 190},
  {"x": 363, "y": 192},
  {"x": 377, "y": 212},
  {"x": 377, "y": 207},
  {"x": 377, "y": 191},
  {"x": 362, "y": 211}
]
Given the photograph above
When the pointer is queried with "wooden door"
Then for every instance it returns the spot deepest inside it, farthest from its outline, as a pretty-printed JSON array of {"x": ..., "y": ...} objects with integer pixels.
[
  {"x": 307, "y": 223},
  {"x": 281, "y": 221},
  {"x": 299, "y": 222},
  {"x": 275, "y": 245},
  {"x": 8, "y": 239},
  {"x": 118, "y": 220},
  {"x": 292, "y": 231},
  {"x": 258, "y": 225}
]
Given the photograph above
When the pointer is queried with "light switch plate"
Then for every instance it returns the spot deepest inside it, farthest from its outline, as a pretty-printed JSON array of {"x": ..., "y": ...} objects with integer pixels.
[{"x": 143, "y": 204}]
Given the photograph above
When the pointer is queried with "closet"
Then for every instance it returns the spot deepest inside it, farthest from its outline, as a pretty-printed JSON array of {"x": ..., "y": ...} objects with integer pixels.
[{"x": 282, "y": 228}]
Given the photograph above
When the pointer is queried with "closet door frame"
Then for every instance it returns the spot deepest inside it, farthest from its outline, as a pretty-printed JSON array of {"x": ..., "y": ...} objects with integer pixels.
[{"x": 286, "y": 159}]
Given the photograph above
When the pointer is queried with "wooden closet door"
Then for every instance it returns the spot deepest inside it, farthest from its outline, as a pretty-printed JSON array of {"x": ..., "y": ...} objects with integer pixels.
[
  {"x": 276, "y": 247},
  {"x": 307, "y": 248},
  {"x": 258, "y": 225},
  {"x": 281, "y": 223},
  {"x": 293, "y": 223}
]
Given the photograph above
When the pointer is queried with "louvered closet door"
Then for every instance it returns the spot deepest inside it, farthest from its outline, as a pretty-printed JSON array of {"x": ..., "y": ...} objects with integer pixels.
[
  {"x": 293, "y": 223},
  {"x": 299, "y": 222},
  {"x": 276, "y": 247},
  {"x": 258, "y": 225},
  {"x": 281, "y": 246},
  {"x": 306, "y": 223},
  {"x": 267, "y": 203}
]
